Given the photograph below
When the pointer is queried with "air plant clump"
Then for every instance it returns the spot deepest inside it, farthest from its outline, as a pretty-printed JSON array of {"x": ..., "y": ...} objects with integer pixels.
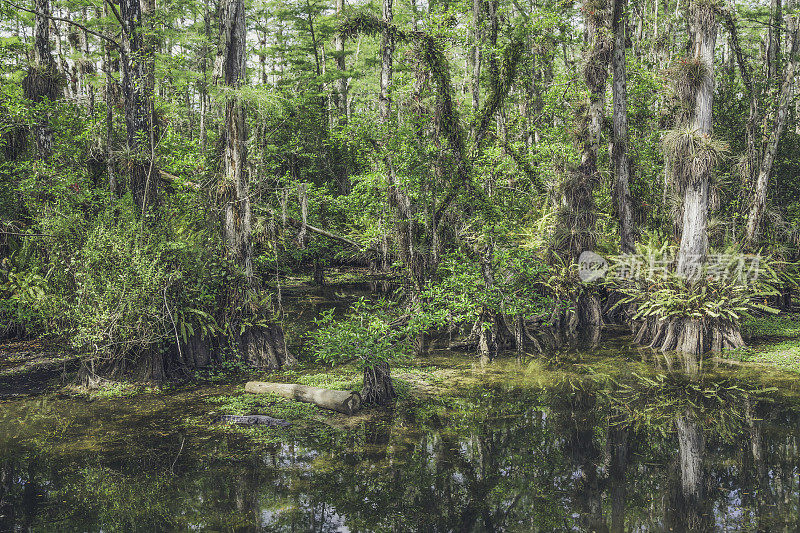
[
  {"x": 687, "y": 74},
  {"x": 42, "y": 84},
  {"x": 598, "y": 10},
  {"x": 703, "y": 13},
  {"x": 595, "y": 70},
  {"x": 366, "y": 24},
  {"x": 576, "y": 218},
  {"x": 691, "y": 155}
]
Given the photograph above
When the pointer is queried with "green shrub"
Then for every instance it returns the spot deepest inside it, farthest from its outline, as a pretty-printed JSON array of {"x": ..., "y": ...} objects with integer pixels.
[{"x": 366, "y": 335}]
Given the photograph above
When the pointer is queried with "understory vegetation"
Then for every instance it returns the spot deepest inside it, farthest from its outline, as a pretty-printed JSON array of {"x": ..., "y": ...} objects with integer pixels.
[{"x": 169, "y": 173}]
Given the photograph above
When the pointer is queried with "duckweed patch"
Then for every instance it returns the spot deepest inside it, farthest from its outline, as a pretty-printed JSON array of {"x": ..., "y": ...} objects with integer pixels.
[
  {"x": 775, "y": 326},
  {"x": 263, "y": 404},
  {"x": 115, "y": 389},
  {"x": 782, "y": 355}
]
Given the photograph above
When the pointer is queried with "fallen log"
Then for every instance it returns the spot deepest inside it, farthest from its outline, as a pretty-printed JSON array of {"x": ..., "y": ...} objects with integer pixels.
[
  {"x": 336, "y": 400},
  {"x": 252, "y": 420}
]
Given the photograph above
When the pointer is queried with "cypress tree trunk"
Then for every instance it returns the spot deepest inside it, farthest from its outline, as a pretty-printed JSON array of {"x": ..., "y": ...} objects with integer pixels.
[
  {"x": 387, "y": 53},
  {"x": 340, "y": 96},
  {"x": 476, "y": 56},
  {"x": 694, "y": 237},
  {"x": 620, "y": 151},
  {"x": 577, "y": 217},
  {"x": 138, "y": 105},
  {"x": 774, "y": 40},
  {"x": 204, "y": 82},
  {"x": 234, "y": 187},
  {"x": 756, "y": 214},
  {"x": 694, "y": 335},
  {"x": 42, "y": 81},
  {"x": 110, "y": 93},
  {"x": 263, "y": 347},
  {"x": 695, "y": 85}
]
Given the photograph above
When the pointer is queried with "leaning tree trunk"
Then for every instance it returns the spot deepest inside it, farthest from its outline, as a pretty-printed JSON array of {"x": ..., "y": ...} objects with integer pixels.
[
  {"x": 41, "y": 85},
  {"x": 622, "y": 166},
  {"x": 138, "y": 105},
  {"x": 262, "y": 347},
  {"x": 758, "y": 206}
]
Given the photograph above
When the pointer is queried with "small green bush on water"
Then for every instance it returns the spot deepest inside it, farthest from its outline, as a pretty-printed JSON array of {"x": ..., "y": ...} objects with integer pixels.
[{"x": 365, "y": 336}]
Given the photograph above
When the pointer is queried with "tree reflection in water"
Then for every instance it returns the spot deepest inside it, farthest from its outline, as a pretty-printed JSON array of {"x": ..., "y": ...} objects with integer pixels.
[{"x": 672, "y": 451}]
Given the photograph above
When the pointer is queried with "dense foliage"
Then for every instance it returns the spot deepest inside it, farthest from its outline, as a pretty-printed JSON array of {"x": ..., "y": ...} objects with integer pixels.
[{"x": 165, "y": 167}]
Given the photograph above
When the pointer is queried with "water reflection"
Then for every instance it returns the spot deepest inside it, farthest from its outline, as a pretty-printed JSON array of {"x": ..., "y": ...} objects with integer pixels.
[{"x": 664, "y": 452}]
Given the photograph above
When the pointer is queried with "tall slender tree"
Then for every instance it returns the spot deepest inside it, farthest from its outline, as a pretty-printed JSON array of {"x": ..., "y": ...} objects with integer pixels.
[
  {"x": 264, "y": 345},
  {"x": 340, "y": 95},
  {"x": 42, "y": 82},
  {"x": 770, "y": 149},
  {"x": 622, "y": 165},
  {"x": 576, "y": 220},
  {"x": 137, "y": 92}
]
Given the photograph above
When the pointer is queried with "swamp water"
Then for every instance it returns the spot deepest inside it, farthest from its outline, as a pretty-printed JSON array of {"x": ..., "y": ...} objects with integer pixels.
[{"x": 609, "y": 439}]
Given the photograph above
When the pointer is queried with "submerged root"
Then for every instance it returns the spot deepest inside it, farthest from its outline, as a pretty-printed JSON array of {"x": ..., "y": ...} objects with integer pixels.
[
  {"x": 582, "y": 321},
  {"x": 508, "y": 332}
]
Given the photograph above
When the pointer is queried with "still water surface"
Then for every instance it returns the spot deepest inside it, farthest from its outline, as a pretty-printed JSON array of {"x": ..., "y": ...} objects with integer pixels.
[{"x": 610, "y": 439}]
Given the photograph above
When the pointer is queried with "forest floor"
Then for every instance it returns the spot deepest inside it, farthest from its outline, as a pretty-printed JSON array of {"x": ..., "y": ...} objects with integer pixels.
[{"x": 772, "y": 341}]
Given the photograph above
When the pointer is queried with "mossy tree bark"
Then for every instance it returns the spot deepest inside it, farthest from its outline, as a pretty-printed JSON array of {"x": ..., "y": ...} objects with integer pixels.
[
  {"x": 42, "y": 83},
  {"x": 622, "y": 165},
  {"x": 137, "y": 86},
  {"x": 261, "y": 346}
]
